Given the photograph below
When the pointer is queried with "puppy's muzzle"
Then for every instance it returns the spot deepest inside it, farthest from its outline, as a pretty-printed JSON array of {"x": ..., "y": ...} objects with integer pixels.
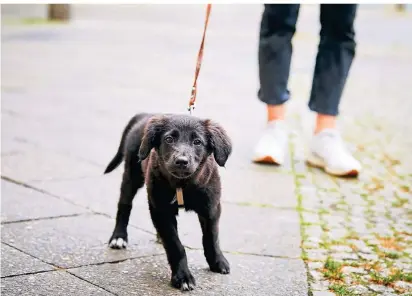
[
  {"x": 181, "y": 163},
  {"x": 181, "y": 167}
]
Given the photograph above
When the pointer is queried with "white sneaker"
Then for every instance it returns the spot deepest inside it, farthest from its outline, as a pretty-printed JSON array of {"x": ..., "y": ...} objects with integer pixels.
[
  {"x": 328, "y": 152},
  {"x": 272, "y": 146}
]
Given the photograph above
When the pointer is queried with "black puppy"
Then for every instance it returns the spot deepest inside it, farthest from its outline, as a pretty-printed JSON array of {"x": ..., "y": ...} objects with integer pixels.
[{"x": 169, "y": 153}]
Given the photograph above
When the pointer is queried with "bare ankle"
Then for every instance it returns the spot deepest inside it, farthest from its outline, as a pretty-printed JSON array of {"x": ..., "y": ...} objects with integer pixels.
[
  {"x": 324, "y": 121},
  {"x": 276, "y": 112}
]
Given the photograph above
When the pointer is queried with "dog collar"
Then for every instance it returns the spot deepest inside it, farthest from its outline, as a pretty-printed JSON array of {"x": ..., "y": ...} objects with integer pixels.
[{"x": 179, "y": 197}]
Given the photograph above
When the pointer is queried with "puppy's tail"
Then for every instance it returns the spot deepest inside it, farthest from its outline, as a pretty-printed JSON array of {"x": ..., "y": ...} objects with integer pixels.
[{"x": 117, "y": 159}]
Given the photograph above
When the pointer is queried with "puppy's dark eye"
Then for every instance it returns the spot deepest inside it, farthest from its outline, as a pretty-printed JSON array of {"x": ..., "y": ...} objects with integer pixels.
[
  {"x": 169, "y": 140},
  {"x": 197, "y": 142}
]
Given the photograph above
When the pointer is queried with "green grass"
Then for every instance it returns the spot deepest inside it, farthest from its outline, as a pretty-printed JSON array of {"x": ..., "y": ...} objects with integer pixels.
[
  {"x": 324, "y": 245},
  {"x": 400, "y": 202},
  {"x": 304, "y": 236},
  {"x": 386, "y": 280},
  {"x": 323, "y": 211},
  {"x": 341, "y": 290},
  {"x": 306, "y": 224},
  {"x": 392, "y": 255},
  {"x": 332, "y": 269},
  {"x": 325, "y": 228},
  {"x": 353, "y": 264},
  {"x": 338, "y": 242},
  {"x": 405, "y": 188},
  {"x": 389, "y": 263},
  {"x": 304, "y": 256},
  {"x": 332, "y": 265},
  {"x": 352, "y": 235},
  {"x": 300, "y": 176},
  {"x": 407, "y": 277},
  {"x": 379, "y": 279}
]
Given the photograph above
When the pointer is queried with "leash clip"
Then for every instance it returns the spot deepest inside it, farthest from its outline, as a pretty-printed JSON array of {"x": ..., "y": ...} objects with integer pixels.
[
  {"x": 191, "y": 108},
  {"x": 192, "y": 100}
]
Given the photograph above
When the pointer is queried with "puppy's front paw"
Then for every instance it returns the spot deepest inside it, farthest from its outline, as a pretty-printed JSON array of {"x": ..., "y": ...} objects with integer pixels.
[
  {"x": 183, "y": 280},
  {"x": 221, "y": 265},
  {"x": 118, "y": 241}
]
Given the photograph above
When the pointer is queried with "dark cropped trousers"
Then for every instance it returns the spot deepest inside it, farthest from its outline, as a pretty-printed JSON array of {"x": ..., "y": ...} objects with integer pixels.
[{"x": 334, "y": 58}]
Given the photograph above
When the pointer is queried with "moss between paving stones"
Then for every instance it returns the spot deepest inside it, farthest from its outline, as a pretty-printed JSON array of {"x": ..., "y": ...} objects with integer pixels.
[
  {"x": 341, "y": 290},
  {"x": 385, "y": 243}
]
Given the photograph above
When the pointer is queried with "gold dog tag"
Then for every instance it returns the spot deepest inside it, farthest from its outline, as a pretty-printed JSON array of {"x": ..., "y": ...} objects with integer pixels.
[{"x": 179, "y": 196}]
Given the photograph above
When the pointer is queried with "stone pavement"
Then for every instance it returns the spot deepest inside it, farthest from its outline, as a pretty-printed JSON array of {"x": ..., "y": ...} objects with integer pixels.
[{"x": 68, "y": 90}]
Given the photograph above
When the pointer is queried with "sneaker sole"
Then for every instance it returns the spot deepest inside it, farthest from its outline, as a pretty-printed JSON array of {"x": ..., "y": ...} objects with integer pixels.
[
  {"x": 316, "y": 162},
  {"x": 266, "y": 160}
]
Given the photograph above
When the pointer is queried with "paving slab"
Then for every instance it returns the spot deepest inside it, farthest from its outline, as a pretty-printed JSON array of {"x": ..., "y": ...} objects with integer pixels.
[
  {"x": 246, "y": 187},
  {"x": 100, "y": 193},
  {"x": 49, "y": 283},
  {"x": 15, "y": 262},
  {"x": 251, "y": 228},
  {"x": 76, "y": 144},
  {"x": 21, "y": 203},
  {"x": 250, "y": 275},
  {"x": 11, "y": 144},
  {"x": 23, "y": 11},
  {"x": 74, "y": 241},
  {"x": 39, "y": 164}
]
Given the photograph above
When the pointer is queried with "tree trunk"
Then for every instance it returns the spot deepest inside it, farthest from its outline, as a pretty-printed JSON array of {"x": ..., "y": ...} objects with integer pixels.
[{"x": 60, "y": 12}]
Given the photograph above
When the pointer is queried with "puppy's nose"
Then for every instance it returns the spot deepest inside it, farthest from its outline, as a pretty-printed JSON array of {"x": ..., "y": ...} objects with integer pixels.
[{"x": 182, "y": 161}]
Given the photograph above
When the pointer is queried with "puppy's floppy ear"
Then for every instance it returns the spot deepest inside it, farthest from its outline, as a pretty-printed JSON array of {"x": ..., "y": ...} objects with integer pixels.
[
  {"x": 151, "y": 136},
  {"x": 219, "y": 142}
]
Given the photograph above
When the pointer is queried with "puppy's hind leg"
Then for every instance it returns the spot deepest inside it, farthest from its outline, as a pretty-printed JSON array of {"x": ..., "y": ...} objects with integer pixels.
[{"x": 133, "y": 179}]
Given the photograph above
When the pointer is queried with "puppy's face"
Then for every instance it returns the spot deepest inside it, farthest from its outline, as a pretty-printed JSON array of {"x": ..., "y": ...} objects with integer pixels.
[
  {"x": 184, "y": 142},
  {"x": 182, "y": 148}
]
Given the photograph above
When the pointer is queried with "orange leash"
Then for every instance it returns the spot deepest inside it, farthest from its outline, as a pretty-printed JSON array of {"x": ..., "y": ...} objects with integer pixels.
[{"x": 199, "y": 62}]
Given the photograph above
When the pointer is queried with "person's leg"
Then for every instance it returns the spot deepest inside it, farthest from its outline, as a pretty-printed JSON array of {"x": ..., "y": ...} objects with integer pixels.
[
  {"x": 335, "y": 54},
  {"x": 278, "y": 26},
  {"x": 334, "y": 59}
]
